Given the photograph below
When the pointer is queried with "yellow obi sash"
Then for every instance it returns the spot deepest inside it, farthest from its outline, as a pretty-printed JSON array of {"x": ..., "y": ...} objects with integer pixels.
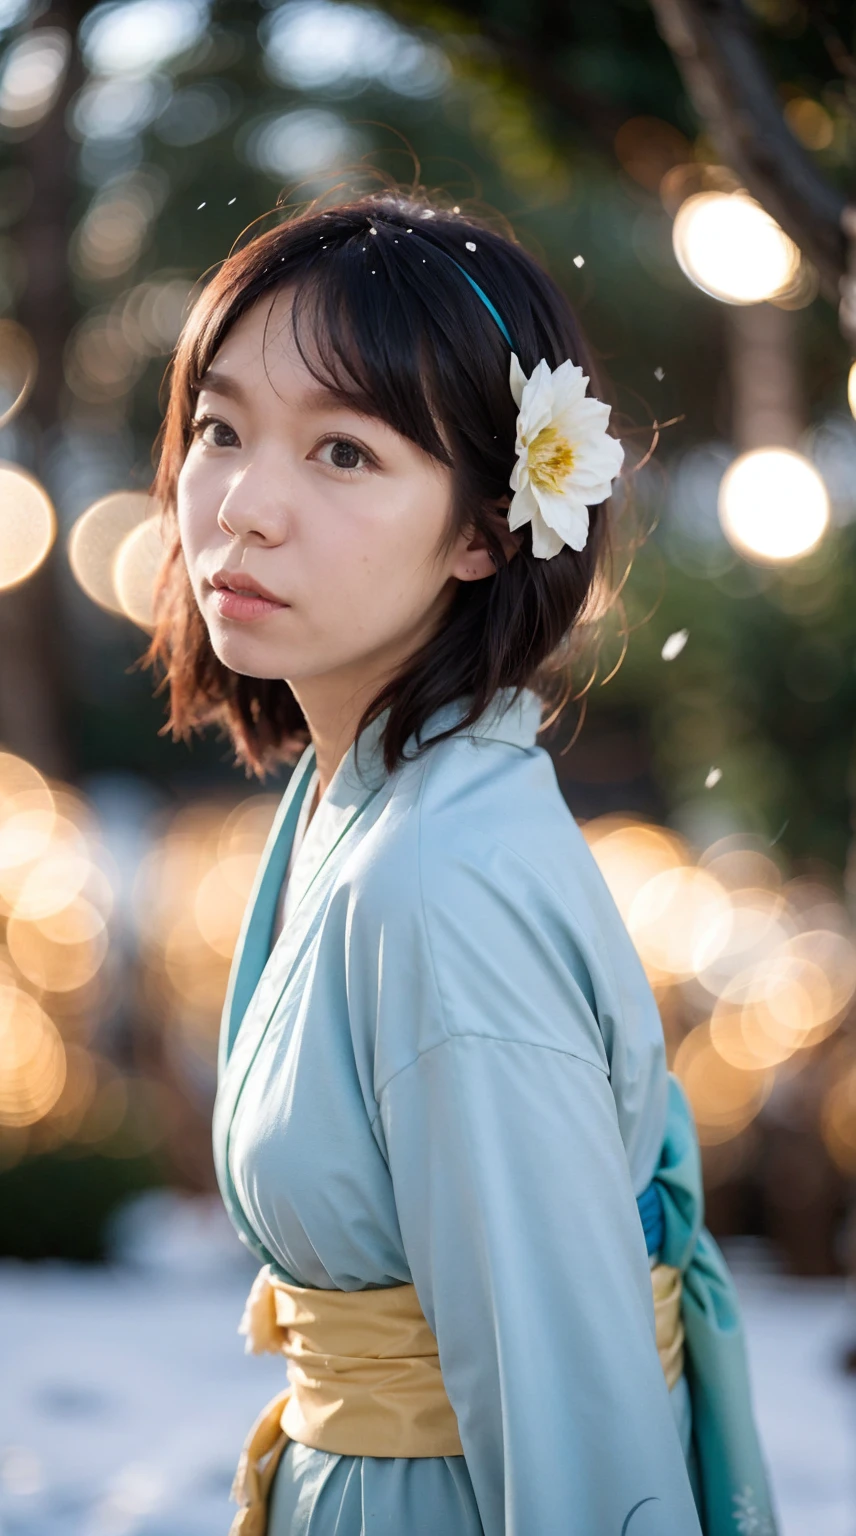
[{"x": 365, "y": 1377}]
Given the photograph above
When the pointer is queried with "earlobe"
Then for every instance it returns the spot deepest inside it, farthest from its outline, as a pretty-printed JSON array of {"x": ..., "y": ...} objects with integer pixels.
[{"x": 477, "y": 560}]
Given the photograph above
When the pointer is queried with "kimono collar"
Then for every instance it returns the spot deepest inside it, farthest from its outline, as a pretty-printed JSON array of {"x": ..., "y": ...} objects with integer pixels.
[
  {"x": 362, "y": 771},
  {"x": 356, "y": 781}
]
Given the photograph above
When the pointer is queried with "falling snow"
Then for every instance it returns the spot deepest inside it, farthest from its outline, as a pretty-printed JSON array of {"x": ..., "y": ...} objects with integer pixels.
[
  {"x": 675, "y": 643},
  {"x": 713, "y": 777}
]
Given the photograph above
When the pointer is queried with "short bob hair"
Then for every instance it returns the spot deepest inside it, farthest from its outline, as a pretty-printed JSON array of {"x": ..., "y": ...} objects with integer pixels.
[{"x": 400, "y": 334}]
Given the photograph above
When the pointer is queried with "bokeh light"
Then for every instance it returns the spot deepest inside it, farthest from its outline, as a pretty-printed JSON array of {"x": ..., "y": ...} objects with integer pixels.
[
  {"x": 33, "y": 71},
  {"x": 96, "y": 538},
  {"x": 57, "y": 896},
  {"x": 18, "y": 368},
  {"x": 105, "y": 244},
  {"x": 648, "y": 148},
  {"x": 28, "y": 524},
  {"x": 630, "y": 853},
  {"x": 838, "y": 1121},
  {"x": 773, "y": 505},
  {"x": 313, "y": 44},
  {"x": 680, "y": 921},
  {"x": 190, "y": 896},
  {"x": 32, "y": 1059},
  {"x": 140, "y": 35},
  {"x": 752, "y": 972},
  {"x": 810, "y": 121},
  {"x": 62, "y": 950},
  {"x": 731, "y": 248},
  {"x": 725, "y": 1097},
  {"x": 135, "y": 567}
]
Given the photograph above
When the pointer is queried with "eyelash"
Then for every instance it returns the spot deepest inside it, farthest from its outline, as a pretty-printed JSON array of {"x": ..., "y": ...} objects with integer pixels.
[{"x": 198, "y": 425}]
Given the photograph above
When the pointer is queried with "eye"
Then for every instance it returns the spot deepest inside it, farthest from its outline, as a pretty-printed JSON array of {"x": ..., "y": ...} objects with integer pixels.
[
  {"x": 200, "y": 425},
  {"x": 344, "y": 455}
]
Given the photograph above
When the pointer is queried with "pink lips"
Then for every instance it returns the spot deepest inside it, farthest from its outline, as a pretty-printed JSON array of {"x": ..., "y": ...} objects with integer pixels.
[
  {"x": 239, "y": 597},
  {"x": 243, "y": 605}
]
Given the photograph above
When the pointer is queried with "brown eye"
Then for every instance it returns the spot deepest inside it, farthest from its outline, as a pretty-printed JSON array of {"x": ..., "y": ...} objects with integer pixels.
[
  {"x": 345, "y": 454},
  {"x": 200, "y": 426}
]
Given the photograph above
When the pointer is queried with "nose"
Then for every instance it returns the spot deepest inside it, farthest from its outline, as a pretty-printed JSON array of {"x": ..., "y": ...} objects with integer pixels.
[{"x": 252, "y": 511}]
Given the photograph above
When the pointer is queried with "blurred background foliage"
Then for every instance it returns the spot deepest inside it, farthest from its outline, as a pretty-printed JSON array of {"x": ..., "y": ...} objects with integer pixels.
[{"x": 139, "y": 140}]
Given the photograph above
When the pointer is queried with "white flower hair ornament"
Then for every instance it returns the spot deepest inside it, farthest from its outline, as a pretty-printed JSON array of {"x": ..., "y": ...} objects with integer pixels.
[{"x": 566, "y": 459}]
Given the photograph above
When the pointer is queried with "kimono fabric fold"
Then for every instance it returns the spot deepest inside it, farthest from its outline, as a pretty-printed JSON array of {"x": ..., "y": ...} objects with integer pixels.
[{"x": 447, "y": 1072}]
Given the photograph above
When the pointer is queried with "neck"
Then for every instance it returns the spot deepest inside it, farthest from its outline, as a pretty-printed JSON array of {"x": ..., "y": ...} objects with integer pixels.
[
  {"x": 333, "y": 707},
  {"x": 333, "y": 703}
]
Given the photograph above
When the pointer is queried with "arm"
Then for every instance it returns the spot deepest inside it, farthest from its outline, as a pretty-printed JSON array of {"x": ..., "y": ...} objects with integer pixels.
[{"x": 519, "y": 1221}]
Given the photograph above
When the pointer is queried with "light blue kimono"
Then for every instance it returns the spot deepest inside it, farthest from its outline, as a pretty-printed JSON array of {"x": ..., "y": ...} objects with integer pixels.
[{"x": 450, "y": 1070}]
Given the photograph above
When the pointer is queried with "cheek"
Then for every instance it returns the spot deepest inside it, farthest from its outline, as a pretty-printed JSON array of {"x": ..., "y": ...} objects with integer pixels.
[
  {"x": 196, "y": 510},
  {"x": 389, "y": 545}
]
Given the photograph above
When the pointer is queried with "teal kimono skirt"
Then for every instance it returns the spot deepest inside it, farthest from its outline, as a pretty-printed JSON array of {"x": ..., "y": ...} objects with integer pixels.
[{"x": 449, "y": 1070}]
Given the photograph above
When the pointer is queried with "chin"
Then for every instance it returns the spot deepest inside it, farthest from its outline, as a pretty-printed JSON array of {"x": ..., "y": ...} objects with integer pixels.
[{"x": 249, "y": 657}]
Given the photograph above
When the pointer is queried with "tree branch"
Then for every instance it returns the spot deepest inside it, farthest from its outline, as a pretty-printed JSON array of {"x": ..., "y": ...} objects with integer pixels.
[{"x": 734, "y": 95}]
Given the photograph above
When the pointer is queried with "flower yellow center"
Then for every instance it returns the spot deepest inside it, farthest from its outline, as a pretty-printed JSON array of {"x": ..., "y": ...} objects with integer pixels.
[{"x": 551, "y": 459}]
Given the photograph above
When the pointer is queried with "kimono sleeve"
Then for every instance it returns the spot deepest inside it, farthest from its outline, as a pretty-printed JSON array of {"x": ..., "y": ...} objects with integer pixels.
[{"x": 518, "y": 1217}]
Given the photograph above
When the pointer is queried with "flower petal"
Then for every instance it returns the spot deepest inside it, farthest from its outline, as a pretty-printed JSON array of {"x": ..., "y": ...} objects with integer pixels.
[
  {"x": 520, "y": 473},
  {"x": 593, "y": 474},
  {"x": 565, "y": 516},
  {"x": 523, "y": 506},
  {"x": 569, "y": 385},
  {"x": 517, "y": 379},
  {"x": 585, "y": 418},
  {"x": 545, "y": 542},
  {"x": 536, "y": 405}
]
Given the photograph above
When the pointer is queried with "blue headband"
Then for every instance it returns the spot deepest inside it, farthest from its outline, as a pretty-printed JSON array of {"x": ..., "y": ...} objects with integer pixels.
[
  {"x": 483, "y": 296},
  {"x": 480, "y": 291}
]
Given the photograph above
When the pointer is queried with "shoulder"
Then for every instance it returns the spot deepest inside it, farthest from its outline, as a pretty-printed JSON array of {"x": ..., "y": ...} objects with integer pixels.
[
  {"x": 477, "y": 907},
  {"x": 479, "y": 827}
]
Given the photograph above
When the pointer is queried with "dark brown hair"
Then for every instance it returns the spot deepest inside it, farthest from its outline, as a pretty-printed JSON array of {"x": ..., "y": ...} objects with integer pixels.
[{"x": 400, "y": 333}]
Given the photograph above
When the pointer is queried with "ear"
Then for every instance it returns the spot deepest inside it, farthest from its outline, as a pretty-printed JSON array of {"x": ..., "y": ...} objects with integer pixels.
[{"x": 472, "y": 559}]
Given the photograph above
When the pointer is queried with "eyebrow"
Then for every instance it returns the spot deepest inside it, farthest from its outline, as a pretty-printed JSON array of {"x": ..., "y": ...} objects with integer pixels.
[{"x": 317, "y": 399}]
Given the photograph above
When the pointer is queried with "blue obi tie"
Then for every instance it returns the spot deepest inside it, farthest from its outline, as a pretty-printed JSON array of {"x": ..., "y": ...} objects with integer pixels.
[{"x": 650, "y": 1206}]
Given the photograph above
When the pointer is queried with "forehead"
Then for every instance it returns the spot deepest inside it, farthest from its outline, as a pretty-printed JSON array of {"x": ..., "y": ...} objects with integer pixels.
[{"x": 260, "y": 353}]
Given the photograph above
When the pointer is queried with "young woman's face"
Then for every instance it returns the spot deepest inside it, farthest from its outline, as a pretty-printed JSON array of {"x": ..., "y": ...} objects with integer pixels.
[{"x": 333, "y": 513}]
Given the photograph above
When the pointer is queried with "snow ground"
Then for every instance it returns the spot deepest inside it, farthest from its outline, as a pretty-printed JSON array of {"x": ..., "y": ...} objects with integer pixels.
[{"x": 126, "y": 1393}]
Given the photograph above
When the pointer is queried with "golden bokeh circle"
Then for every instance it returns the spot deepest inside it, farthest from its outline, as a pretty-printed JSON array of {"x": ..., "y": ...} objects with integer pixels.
[
  {"x": 135, "y": 567},
  {"x": 725, "y": 1098},
  {"x": 32, "y": 1060},
  {"x": 28, "y": 524},
  {"x": 95, "y": 539}
]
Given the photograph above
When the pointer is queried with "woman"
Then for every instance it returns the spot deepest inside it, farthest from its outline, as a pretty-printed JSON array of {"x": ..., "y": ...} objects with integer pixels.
[{"x": 442, "y": 1096}]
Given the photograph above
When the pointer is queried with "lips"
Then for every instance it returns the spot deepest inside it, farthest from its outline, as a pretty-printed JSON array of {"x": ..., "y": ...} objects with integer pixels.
[
  {"x": 237, "y": 581},
  {"x": 240, "y": 597}
]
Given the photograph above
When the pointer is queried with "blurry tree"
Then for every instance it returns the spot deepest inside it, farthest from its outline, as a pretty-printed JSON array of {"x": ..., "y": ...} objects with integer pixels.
[
  {"x": 735, "y": 95},
  {"x": 33, "y": 683},
  {"x": 183, "y": 124}
]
